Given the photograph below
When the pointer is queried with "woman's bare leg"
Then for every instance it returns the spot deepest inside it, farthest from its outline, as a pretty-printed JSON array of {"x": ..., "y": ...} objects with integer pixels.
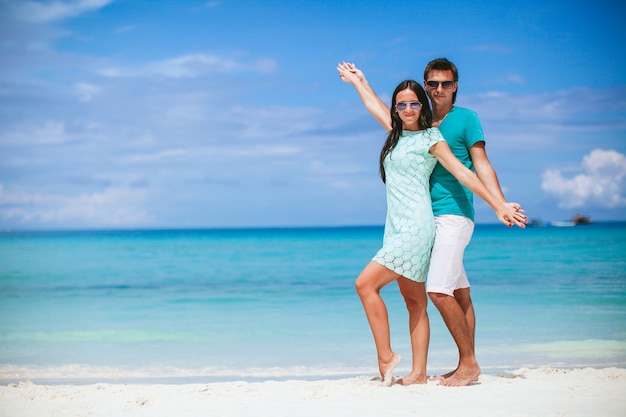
[
  {"x": 414, "y": 294},
  {"x": 368, "y": 285}
]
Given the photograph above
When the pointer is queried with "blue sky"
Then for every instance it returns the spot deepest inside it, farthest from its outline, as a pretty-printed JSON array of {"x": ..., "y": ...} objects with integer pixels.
[{"x": 137, "y": 114}]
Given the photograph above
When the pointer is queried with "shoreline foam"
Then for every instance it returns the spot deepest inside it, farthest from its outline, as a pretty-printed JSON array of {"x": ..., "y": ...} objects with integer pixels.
[{"x": 83, "y": 374}]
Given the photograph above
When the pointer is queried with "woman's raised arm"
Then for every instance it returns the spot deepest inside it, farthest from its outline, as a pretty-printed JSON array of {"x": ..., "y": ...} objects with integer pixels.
[{"x": 377, "y": 108}]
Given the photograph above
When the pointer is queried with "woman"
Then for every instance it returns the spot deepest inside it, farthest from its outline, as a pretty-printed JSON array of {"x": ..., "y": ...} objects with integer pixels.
[{"x": 407, "y": 159}]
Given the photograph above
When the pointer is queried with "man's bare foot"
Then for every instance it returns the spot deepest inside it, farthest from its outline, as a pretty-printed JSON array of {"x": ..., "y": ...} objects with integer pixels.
[
  {"x": 411, "y": 379},
  {"x": 462, "y": 377},
  {"x": 386, "y": 369}
]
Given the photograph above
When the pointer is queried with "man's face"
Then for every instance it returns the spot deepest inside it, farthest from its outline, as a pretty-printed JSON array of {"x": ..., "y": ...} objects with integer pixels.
[{"x": 440, "y": 86}]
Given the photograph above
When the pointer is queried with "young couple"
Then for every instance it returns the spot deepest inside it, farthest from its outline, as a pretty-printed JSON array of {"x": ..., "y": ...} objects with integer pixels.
[{"x": 425, "y": 159}]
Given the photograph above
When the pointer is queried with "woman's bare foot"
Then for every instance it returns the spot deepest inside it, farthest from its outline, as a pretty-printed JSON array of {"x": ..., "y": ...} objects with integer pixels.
[
  {"x": 386, "y": 369},
  {"x": 411, "y": 379},
  {"x": 441, "y": 377}
]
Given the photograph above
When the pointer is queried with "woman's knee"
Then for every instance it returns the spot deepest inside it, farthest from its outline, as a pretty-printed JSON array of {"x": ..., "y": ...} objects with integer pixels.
[{"x": 362, "y": 285}]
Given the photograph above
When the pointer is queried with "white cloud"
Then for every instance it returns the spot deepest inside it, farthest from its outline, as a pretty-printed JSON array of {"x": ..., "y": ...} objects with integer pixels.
[
  {"x": 600, "y": 184},
  {"x": 40, "y": 12},
  {"x": 124, "y": 29},
  {"x": 266, "y": 122},
  {"x": 50, "y": 132},
  {"x": 552, "y": 119},
  {"x": 192, "y": 66},
  {"x": 154, "y": 156},
  {"x": 112, "y": 207},
  {"x": 86, "y": 92},
  {"x": 515, "y": 79},
  {"x": 20, "y": 198},
  {"x": 223, "y": 152}
]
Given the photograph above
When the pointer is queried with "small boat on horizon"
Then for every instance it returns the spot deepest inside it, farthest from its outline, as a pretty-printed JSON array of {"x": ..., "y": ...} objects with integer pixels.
[
  {"x": 581, "y": 219},
  {"x": 576, "y": 220},
  {"x": 562, "y": 223}
]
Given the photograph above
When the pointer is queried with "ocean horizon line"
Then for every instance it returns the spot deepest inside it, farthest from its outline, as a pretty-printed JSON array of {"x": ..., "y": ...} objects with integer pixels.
[{"x": 248, "y": 228}]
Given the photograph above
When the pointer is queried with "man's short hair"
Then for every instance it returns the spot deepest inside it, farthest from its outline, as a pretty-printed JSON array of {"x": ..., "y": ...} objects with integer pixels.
[{"x": 442, "y": 64}]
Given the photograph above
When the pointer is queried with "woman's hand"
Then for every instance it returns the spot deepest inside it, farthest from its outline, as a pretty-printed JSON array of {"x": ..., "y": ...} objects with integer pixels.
[
  {"x": 349, "y": 73},
  {"x": 512, "y": 213},
  {"x": 352, "y": 75}
]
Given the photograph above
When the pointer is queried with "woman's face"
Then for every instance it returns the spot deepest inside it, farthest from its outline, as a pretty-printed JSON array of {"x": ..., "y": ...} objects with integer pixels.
[{"x": 409, "y": 109}]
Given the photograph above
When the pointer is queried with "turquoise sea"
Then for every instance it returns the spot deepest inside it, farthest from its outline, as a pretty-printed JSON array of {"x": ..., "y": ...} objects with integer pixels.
[{"x": 209, "y": 305}]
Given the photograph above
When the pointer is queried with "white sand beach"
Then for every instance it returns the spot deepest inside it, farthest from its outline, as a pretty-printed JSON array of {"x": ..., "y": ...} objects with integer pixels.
[{"x": 524, "y": 392}]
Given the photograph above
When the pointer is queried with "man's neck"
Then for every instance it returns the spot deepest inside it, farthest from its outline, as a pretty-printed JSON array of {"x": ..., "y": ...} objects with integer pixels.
[{"x": 439, "y": 113}]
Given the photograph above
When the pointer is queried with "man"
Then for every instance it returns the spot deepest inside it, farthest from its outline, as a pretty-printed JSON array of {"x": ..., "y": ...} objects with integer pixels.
[{"x": 447, "y": 284}]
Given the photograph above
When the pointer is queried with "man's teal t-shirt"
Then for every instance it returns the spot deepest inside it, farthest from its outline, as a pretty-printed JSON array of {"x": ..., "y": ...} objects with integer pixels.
[{"x": 461, "y": 129}]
